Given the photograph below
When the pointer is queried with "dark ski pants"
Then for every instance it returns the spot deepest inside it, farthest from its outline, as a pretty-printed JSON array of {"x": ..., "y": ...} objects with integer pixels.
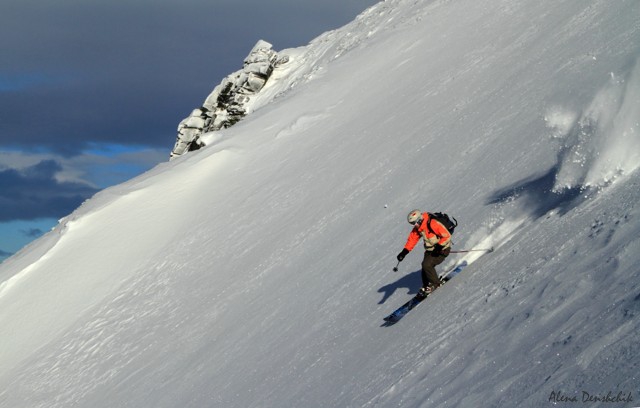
[{"x": 429, "y": 274}]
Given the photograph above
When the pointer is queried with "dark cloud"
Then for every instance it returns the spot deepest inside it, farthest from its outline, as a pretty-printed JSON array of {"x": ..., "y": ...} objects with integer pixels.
[
  {"x": 78, "y": 76},
  {"x": 75, "y": 72},
  {"x": 34, "y": 193},
  {"x": 32, "y": 232}
]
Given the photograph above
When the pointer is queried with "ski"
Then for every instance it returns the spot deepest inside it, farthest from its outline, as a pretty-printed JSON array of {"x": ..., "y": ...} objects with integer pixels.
[
  {"x": 453, "y": 272},
  {"x": 400, "y": 312}
]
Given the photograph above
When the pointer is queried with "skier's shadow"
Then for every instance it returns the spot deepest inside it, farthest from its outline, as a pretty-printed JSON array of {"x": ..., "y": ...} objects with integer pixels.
[{"x": 412, "y": 281}]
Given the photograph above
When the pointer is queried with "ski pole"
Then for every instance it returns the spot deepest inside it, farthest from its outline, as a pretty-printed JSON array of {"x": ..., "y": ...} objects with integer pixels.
[
  {"x": 471, "y": 250},
  {"x": 395, "y": 268}
]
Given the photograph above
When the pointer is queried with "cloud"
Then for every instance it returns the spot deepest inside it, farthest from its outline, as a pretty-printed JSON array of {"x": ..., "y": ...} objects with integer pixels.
[
  {"x": 101, "y": 166},
  {"x": 34, "y": 192},
  {"x": 129, "y": 72},
  {"x": 32, "y": 232}
]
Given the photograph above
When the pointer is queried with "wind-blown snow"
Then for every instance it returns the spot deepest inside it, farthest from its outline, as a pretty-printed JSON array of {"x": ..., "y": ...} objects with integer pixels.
[
  {"x": 605, "y": 141},
  {"x": 256, "y": 272}
]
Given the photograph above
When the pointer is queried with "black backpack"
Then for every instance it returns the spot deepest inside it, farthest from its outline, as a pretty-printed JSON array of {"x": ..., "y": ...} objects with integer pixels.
[{"x": 448, "y": 222}]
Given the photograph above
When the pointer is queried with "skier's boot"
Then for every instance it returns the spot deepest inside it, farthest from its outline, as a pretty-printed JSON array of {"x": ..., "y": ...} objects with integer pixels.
[{"x": 425, "y": 291}]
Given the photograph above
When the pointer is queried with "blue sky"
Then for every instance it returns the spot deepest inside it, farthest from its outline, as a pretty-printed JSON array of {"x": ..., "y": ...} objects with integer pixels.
[{"x": 91, "y": 93}]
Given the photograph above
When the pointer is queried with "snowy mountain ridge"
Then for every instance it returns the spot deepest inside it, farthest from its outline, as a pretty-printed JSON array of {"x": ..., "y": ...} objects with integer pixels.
[{"x": 255, "y": 272}]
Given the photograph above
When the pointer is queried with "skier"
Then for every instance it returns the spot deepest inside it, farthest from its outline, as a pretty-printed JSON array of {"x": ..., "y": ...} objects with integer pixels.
[{"x": 437, "y": 245}]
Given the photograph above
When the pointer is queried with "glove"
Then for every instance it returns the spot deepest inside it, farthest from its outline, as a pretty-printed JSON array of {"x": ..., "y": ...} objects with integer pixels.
[
  {"x": 402, "y": 254},
  {"x": 437, "y": 250}
]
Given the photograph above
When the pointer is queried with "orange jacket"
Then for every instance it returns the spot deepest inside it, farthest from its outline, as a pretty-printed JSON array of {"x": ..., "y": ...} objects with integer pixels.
[{"x": 440, "y": 234}]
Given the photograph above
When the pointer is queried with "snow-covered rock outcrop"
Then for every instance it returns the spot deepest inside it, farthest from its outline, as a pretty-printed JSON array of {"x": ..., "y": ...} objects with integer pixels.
[{"x": 226, "y": 105}]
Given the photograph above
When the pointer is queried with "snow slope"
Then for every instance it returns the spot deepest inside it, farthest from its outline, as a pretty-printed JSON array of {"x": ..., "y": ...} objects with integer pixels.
[{"x": 256, "y": 271}]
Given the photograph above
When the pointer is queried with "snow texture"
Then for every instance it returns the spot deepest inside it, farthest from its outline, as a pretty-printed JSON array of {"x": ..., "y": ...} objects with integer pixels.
[{"x": 255, "y": 272}]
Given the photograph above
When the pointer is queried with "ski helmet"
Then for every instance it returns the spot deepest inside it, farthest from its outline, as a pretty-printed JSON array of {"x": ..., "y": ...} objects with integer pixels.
[{"x": 414, "y": 217}]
